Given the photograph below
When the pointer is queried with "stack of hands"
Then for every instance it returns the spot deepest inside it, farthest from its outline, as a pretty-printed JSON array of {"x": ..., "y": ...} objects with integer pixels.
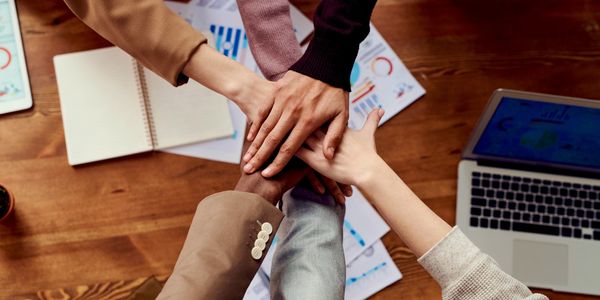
[
  {"x": 339, "y": 171},
  {"x": 282, "y": 115}
]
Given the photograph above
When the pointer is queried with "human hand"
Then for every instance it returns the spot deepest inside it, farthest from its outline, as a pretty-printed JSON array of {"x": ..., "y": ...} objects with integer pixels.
[
  {"x": 346, "y": 167},
  {"x": 272, "y": 189},
  {"x": 321, "y": 184},
  {"x": 302, "y": 105},
  {"x": 231, "y": 79}
]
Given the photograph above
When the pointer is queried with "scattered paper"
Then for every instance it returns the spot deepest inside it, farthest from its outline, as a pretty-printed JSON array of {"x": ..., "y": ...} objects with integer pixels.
[
  {"x": 371, "y": 272},
  {"x": 222, "y": 19},
  {"x": 181, "y": 9},
  {"x": 379, "y": 79},
  {"x": 258, "y": 289},
  {"x": 227, "y": 150},
  {"x": 363, "y": 226}
]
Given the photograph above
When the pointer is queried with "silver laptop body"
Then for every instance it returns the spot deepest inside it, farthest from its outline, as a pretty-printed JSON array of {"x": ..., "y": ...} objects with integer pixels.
[{"x": 529, "y": 189}]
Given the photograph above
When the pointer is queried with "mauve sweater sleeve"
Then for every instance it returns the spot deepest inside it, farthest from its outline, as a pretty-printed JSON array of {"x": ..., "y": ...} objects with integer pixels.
[
  {"x": 272, "y": 40},
  {"x": 340, "y": 27}
]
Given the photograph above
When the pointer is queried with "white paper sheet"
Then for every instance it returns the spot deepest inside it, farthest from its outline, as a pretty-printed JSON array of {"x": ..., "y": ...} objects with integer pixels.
[
  {"x": 258, "y": 288},
  {"x": 230, "y": 39},
  {"x": 380, "y": 80},
  {"x": 371, "y": 272},
  {"x": 363, "y": 226},
  {"x": 181, "y": 9},
  {"x": 227, "y": 150}
]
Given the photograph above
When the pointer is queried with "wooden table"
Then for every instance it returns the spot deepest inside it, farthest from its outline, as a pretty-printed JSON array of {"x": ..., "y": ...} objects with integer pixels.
[{"x": 101, "y": 229}]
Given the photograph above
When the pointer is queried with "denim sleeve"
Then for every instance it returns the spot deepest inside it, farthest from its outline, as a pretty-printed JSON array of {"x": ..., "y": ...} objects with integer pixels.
[{"x": 309, "y": 259}]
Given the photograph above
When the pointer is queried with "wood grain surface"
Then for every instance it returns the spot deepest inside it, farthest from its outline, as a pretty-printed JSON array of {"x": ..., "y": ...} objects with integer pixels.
[{"x": 98, "y": 231}]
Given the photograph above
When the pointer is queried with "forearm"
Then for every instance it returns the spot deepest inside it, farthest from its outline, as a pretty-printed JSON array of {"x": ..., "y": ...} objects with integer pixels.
[
  {"x": 224, "y": 76},
  {"x": 340, "y": 27},
  {"x": 417, "y": 225},
  {"x": 146, "y": 29},
  {"x": 216, "y": 260},
  {"x": 464, "y": 272},
  {"x": 271, "y": 35}
]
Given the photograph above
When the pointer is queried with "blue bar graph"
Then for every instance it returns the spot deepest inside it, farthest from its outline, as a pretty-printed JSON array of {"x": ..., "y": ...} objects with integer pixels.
[
  {"x": 359, "y": 239},
  {"x": 352, "y": 280},
  {"x": 231, "y": 42}
]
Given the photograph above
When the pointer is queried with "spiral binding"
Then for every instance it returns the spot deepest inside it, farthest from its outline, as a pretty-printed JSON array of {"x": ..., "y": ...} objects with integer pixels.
[{"x": 145, "y": 104}]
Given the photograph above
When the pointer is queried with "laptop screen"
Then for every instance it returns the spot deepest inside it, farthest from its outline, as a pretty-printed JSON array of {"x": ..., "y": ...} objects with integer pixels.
[{"x": 542, "y": 132}]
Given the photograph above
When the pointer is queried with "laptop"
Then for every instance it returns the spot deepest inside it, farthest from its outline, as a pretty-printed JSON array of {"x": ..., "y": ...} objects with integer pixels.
[{"x": 529, "y": 189}]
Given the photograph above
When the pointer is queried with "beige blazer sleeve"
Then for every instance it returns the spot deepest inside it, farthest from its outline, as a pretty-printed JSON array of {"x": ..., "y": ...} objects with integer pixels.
[
  {"x": 216, "y": 260},
  {"x": 146, "y": 29}
]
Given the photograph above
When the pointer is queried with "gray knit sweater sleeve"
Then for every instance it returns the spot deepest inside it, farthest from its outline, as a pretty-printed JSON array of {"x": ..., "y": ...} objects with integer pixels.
[{"x": 464, "y": 272}]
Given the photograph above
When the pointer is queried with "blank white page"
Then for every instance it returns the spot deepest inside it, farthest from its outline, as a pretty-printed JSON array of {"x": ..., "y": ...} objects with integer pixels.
[
  {"x": 100, "y": 102},
  {"x": 186, "y": 114}
]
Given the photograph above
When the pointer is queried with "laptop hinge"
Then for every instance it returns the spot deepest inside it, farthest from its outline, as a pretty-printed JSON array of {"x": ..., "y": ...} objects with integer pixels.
[{"x": 538, "y": 168}]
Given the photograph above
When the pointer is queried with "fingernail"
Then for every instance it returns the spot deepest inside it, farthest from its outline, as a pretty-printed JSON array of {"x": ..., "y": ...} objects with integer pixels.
[
  {"x": 267, "y": 172},
  {"x": 248, "y": 168},
  {"x": 348, "y": 192},
  {"x": 330, "y": 151},
  {"x": 321, "y": 190},
  {"x": 380, "y": 112},
  {"x": 249, "y": 137},
  {"x": 247, "y": 157}
]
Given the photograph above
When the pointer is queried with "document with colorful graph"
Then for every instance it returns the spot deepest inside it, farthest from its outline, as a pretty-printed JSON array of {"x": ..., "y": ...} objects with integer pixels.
[
  {"x": 224, "y": 22},
  {"x": 379, "y": 79},
  {"x": 371, "y": 272}
]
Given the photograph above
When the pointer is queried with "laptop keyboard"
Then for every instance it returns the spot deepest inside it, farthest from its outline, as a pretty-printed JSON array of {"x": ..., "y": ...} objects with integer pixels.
[{"x": 535, "y": 206}]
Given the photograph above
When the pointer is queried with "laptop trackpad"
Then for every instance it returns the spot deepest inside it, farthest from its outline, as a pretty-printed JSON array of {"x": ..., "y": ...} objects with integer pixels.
[{"x": 537, "y": 262}]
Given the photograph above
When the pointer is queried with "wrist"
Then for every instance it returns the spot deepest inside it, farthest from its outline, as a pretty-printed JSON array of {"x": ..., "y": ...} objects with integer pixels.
[
  {"x": 374, "y": 168},
  {"x": 243, "y": 89},
  {"x": 220, "y": 73},
  {"x": 268, "y": 194}
]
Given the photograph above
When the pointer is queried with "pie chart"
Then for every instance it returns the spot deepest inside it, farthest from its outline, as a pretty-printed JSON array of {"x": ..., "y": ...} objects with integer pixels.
[{"x": 5, "y": 58}]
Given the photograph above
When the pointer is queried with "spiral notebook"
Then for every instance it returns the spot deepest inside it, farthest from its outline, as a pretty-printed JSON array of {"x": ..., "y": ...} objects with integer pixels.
[{"x": 112, "y": 106}]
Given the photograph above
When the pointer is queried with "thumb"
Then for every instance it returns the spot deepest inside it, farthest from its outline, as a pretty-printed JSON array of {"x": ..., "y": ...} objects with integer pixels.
[{"x": 373, "y": 121}]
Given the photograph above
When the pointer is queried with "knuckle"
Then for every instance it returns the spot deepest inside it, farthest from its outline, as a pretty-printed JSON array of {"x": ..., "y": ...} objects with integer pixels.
[
  {"x": 278, "y": 165},
  {"x": 272, "y": 140},
  {"x": 308, "y": 121},
  {"x": 286, "y": 150},
  {"x": 258, "y": 159},
  {"x": 263, "y": 112},
  {"x": 266, "y": 128}
]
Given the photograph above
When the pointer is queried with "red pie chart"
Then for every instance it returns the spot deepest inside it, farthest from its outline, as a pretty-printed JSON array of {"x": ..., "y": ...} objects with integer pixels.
[{"x": 5, "y": 58}]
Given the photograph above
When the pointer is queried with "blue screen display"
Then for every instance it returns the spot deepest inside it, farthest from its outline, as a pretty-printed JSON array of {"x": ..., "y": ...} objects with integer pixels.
[{"x": 543, "y": 132}]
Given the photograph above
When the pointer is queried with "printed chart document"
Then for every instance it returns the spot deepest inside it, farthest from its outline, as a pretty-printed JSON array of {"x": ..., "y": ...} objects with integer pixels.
[
  {"x": 223, "y": 20},
  {"x": 258, "y": 289},
  {"x": 363, "y": 226},
  {"x": 371, "y": 272},
  {"x": 379, "y": 79}
]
